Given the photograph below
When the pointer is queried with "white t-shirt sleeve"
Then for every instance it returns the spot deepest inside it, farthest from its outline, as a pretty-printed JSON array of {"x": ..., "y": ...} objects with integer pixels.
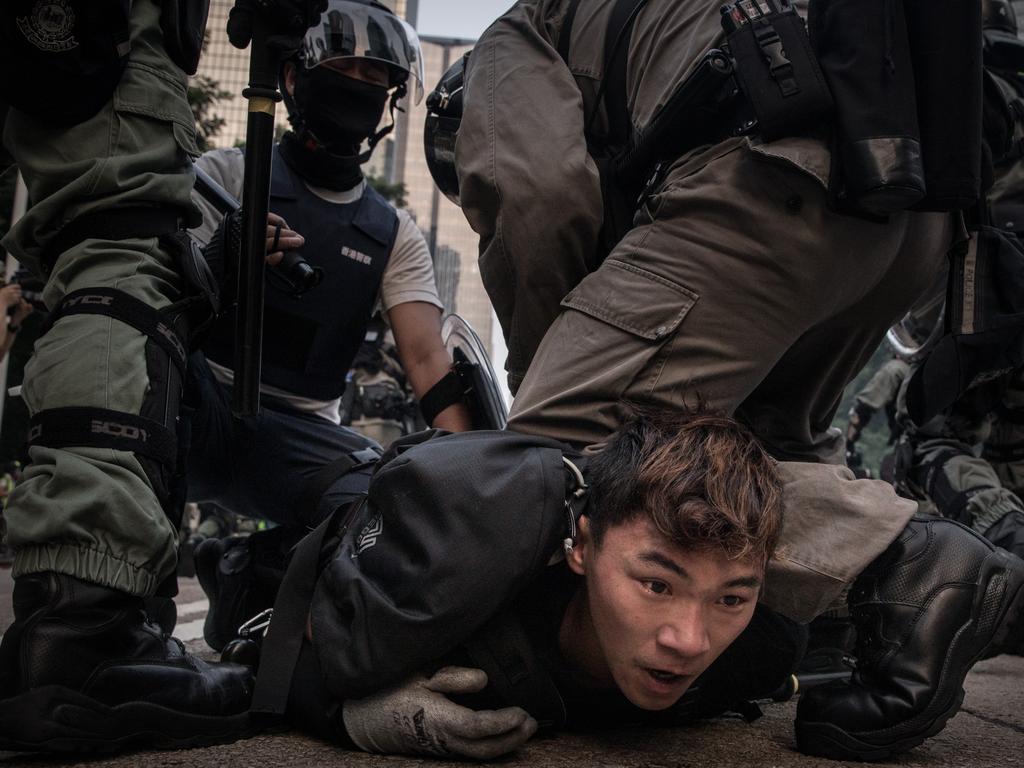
[{"x": 409, "y": 275}]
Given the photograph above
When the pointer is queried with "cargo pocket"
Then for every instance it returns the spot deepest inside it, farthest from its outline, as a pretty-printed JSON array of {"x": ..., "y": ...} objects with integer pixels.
[
  {"x": 632, "y": 299},
  {"x": 161, "y": 101}
]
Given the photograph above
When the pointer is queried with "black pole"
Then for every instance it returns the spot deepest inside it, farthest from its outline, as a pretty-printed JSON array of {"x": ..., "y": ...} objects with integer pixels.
[{"x": 263, "y": 96}]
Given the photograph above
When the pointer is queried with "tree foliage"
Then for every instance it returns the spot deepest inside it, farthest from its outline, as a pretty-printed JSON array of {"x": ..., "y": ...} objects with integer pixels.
[
  {"x": 393, "y": 193},
  {"x": 203, "y": 95}
]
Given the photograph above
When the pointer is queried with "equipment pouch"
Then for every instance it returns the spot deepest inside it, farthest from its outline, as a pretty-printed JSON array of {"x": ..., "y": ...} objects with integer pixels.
[
  {"x": 183, "y": 23},
  {"x": 74, "y": 50},
  {"x": 946, "y": 47},
  {"x": 984, "y": 324},
  {"x": 775, "y": 67},
  {"x": 865, "y": 54}
]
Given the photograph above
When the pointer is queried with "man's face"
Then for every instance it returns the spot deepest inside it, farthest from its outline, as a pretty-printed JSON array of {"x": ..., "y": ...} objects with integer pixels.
[
  {"x": 372, "y": 72},
  {"x": 656, "y": 615}
]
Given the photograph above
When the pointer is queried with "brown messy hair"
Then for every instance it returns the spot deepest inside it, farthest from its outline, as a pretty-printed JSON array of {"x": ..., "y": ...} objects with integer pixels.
[{"x": 702, "y": 478}]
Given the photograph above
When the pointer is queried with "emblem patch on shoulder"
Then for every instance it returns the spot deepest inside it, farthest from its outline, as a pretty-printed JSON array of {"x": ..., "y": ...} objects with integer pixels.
[
  {"x": 50, "y": 25},
  {"x": 368, "y": 536}
]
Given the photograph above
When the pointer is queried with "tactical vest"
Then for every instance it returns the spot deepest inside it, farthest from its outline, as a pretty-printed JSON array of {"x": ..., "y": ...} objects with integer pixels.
[{"x": 309, "y": 342}]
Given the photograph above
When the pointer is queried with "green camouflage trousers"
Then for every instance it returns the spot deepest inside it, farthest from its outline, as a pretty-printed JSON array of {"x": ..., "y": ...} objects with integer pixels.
[{"x": 91, "y": 512}]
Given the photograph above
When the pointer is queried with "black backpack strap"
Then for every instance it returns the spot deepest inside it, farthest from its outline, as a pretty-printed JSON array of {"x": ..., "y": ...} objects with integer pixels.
[
  {"x": 619, "y": 205},
  {"x": 287, "y": 631},
  {"x": 565, "y": 34},
  {"x": 314, "y": 488},
  {"x": 616, "y": 59}
]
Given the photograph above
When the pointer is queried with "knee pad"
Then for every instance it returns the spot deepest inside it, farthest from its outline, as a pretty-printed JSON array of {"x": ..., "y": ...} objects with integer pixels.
[{"x": 154, "y": 435}]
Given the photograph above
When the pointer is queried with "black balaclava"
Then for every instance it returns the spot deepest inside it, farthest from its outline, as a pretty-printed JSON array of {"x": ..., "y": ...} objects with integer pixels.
[{"x": 332, "y": 114}]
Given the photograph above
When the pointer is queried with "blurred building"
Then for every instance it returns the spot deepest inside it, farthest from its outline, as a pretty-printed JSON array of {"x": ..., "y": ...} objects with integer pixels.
[
  {"x": 451, "y": 240},
  {"x": 447, "y": 268}
]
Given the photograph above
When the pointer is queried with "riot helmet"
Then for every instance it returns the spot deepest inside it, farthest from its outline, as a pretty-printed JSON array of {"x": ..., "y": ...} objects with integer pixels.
[
  {"x": 365, "y": 29},
  {"x": 444, "y": 114},
  {"x": 356, "y": 61}
]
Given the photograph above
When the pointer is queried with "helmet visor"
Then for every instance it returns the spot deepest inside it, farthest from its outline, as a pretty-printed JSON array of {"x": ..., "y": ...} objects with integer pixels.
[{"x": 354, "y": 30}]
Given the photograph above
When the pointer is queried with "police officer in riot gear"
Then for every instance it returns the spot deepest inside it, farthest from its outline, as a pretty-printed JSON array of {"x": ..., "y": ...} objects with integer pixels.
[
  {"x": 717, "y": 288},
  {"x": 103, "y": 135},
  {"x": 354, "y": 66}
]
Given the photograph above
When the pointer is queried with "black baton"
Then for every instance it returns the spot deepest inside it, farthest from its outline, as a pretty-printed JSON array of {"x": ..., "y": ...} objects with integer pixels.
[{"x": 262, "y": 93}]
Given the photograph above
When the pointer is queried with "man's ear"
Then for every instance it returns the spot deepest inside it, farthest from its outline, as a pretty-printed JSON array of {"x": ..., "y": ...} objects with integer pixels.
[{"x": 577, "y": 556}]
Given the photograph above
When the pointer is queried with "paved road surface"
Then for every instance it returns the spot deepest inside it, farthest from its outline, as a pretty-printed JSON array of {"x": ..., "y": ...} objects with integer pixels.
[{"x": 987, "y": 733}]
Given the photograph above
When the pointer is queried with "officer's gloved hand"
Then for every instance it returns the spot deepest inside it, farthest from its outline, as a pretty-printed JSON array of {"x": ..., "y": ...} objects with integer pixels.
[
  {"x": 417, "y": 717},
  {"x": 289, "y": 20},
  {"x": 225, "y": 248}
]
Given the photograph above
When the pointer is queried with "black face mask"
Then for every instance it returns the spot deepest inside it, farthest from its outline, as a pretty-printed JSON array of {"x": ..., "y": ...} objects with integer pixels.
[
  {"x": 339, "y": 111},
  {"x": 318, "y": 166}
]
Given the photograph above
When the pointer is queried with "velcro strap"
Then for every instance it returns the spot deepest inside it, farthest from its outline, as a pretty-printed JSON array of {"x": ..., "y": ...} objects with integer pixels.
[
  {"x": 448, "y": 391},
  {"x": 102, "y": 428},
  {"x": 116, "y": 224},
  {"x": 129, "y": 310}
]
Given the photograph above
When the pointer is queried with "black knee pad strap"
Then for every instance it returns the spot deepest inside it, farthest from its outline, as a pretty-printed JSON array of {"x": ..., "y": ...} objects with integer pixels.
[
  {"x": 103, "y": 428},
  {"x": 129, "y": 310}
]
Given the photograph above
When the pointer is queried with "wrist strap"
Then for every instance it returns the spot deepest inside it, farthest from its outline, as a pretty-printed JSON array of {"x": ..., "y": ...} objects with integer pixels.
[{"x": 446, "y": 392}]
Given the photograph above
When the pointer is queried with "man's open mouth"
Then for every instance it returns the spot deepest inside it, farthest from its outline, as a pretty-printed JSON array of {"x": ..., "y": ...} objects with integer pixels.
[{"x": 666, "y": 678}]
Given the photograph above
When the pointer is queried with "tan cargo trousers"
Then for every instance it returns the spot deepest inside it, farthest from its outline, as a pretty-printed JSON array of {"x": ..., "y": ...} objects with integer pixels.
[
  {"x": 90, "y": 512},
  {"x": 738, "y": 287},
  {"x": 741, "y": 289}
]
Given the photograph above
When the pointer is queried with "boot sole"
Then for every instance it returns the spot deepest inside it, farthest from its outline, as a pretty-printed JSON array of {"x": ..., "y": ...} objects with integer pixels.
[
  {"x": 57, "y": 719},
  {"x": 998, "y": 613},
  {"x": 1009, "y": 636}
]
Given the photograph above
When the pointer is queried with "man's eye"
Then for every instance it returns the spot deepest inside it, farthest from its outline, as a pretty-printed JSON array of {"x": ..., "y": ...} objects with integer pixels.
[
  {"x": 733, "y": 601},
  {"x": 657, "y": 587}
]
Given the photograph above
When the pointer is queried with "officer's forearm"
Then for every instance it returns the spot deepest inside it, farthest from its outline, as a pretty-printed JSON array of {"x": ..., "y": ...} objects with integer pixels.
[
  {"x": 454, "y": 418},
  {"x": 417, "y": 328}
]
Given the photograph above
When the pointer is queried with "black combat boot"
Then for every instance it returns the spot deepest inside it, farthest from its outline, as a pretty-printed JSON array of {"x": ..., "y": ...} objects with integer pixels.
[
  {"x": 83, "y": 669},
  {"x": 241, "y": 575},
  {"x": 925, "y": 611},
  {"x": 1008, "y": 532}
]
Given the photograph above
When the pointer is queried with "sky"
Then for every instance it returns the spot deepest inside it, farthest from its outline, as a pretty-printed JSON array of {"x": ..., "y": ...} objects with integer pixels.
[{"x": 458, "y": 18}]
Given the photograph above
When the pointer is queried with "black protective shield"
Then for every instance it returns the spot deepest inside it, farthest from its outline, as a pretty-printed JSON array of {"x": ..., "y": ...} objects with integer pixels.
[{"x": 483, "y": 395}]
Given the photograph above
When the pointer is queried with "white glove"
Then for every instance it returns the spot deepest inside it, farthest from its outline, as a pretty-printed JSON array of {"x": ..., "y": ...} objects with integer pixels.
[{"x": 416, "y": 717}]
